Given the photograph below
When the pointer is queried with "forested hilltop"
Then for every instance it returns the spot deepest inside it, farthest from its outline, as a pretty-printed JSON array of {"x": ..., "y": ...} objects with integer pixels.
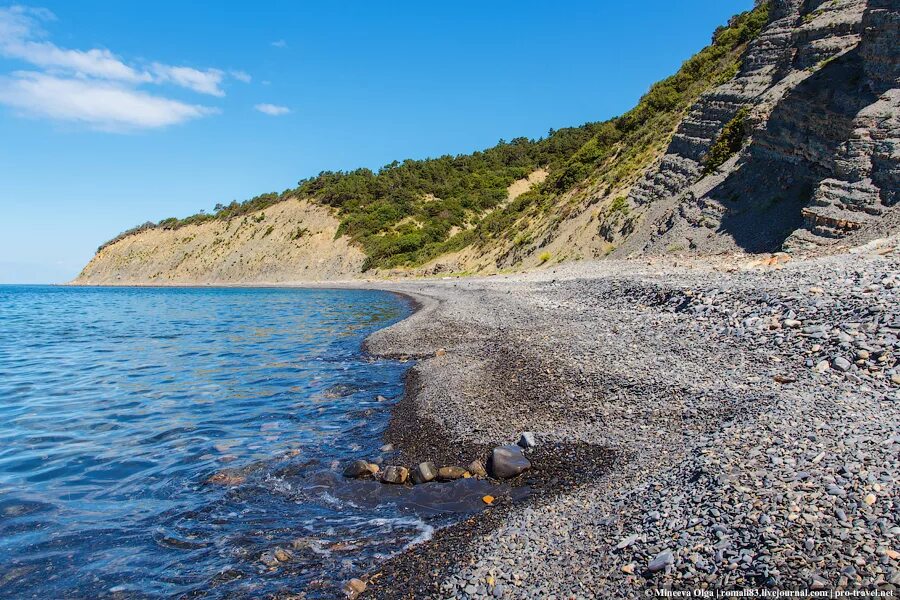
[{"x": 687, "y": 170}]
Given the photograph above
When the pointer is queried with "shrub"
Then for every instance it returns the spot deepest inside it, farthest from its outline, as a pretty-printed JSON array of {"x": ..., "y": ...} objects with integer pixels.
[{"x": 729, "y": 141}]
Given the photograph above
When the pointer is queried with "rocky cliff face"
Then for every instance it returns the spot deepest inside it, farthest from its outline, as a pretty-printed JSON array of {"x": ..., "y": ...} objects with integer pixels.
[{"x": 822, "y": 151}]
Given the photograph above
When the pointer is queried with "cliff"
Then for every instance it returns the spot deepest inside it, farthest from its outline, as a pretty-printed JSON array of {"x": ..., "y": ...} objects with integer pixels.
[
  {"x": 293, "y": 240},
  {"x": 820, "y": 154},
  {"x": 781, "y": 135}
]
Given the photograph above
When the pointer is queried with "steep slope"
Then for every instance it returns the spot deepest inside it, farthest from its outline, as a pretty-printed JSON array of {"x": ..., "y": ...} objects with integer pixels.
[
  {"x": 820, "y": 152},
  {"x": 293, "y": 240},
  {"x": 782, "y": 133}
]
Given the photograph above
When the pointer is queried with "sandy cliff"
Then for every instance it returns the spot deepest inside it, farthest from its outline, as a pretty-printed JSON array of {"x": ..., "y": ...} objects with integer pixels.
[{"x": 290, "y": 241}]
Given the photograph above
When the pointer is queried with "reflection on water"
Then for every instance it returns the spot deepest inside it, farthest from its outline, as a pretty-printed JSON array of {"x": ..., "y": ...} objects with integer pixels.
[{"x": 116, "y": 406}]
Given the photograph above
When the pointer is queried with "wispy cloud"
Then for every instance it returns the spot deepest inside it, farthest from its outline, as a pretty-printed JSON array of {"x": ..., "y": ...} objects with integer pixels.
[
  {"x": 280, "y": 44},
  {"x": 203, "y": 82},
  {"x": 272, "y": 109},
  {"x": 94, "y": 86},
  {"x": 242, "y": 76},
  {"x": 102, "y": 105}
]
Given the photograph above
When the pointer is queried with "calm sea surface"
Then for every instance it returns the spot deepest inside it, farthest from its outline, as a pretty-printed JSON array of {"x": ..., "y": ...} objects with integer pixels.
[{"x": 117, "y": 406}]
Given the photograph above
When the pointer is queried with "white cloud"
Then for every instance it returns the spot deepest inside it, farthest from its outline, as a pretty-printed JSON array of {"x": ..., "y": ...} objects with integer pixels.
[
  {"x": 103, "y": 105},
  {"x": 94, "y": 86},
  {"x": 203, "y": 82},
  {"x": 242, "y": 76},
  {"x": 280, "y": 44},
  {"x": 272, "y": 109},
  {"x": 91, "y": 63}
]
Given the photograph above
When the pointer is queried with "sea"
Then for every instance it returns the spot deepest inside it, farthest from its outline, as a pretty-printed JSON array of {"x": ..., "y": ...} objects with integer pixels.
[{"x": 165, "y": 442}]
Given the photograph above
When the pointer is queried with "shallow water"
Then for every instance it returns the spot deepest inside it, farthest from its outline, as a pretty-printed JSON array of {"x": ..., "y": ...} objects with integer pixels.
[{"x": 116, "y": 406}]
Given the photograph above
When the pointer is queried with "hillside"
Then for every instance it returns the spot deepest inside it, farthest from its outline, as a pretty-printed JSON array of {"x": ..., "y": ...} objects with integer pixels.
[
  {"x": 781, "y": 134},
  {"x": 292, "y": 240}
]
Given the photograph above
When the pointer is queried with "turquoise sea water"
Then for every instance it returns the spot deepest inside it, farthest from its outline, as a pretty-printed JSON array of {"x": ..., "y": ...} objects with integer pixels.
[{"x": 117, "y": 405}]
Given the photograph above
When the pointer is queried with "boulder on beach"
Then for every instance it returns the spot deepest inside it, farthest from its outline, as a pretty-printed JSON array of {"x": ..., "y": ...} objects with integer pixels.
[
  {"x": 424, "y": 472},
  {"x": 508, "y": 461},
  {"x": 395, "y": 474},
  {"x": 359, "y": 469},
  {"x": 452, "y": 473}
]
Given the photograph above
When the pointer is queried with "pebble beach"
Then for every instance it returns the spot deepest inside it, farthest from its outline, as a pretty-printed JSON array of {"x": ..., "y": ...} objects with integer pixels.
[{"x": 717, "y": 424}]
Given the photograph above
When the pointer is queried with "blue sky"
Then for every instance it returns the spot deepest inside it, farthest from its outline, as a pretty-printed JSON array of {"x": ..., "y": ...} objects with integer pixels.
[{"x": 115, "y": 113}]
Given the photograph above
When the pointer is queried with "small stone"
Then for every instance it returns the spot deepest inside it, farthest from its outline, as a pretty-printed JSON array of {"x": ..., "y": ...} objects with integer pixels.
[
  {"x": 269, "y": 559},
  {"x": 870, "y": 499},
  {"x": 283, "y": 555},
  {"x": 792, "y": 323},
  {"x": 227, "y": 477},
  {"x": 663, "y": 559},
  {"x": 526, "y": 440},
  {"x": 629, "y": 568},
  {"x": 440, "y": 352},
  {"x": 387, "y": 448},
  {"x": 487, "y": 499},
  {"x": 424, "y": 472},
  {"x": 300, "y": 543},
  {"x": 354, "y": 587},
  {"x": 816, "y": 290},
  {"x": 822, "y": 366},
  {"x": 477, "y": 469},
  {"x": 394, "y": 474},
  {"x": 895, "y": 378},
  {"x": 841, "y": 364},
  {"x": 451, "y": 473},
  {"x": 624, "y": 543},
  {"x": 835, "y": 490},
  {"x": 892, "y": 554},
  {"x": 818, "y": 583},
  {"x": 508, "y": 461}
]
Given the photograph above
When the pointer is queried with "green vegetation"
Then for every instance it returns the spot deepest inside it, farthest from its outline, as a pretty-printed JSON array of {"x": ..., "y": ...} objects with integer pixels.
[
  {"x": 544, "y": 257},
  {"x": 619, "y": 205},
  {"x": 409, "y": 212},
  {"x": 730, "y": 140}
]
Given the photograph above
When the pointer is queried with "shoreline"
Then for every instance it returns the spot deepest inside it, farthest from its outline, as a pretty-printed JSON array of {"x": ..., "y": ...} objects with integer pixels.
[
  {"x": 719, "y": 442},
  {"x": 687, "y": 385}
]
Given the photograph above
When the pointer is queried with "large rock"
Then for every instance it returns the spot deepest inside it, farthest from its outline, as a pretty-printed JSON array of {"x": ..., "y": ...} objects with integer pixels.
[
  {"x": 424, "y": 472},
  {"x": 359, "y": 469},
  {"x": 395, "y": 474},
  {"x": 452, "y": 473},
  {"x": 508, "y": 461}
]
